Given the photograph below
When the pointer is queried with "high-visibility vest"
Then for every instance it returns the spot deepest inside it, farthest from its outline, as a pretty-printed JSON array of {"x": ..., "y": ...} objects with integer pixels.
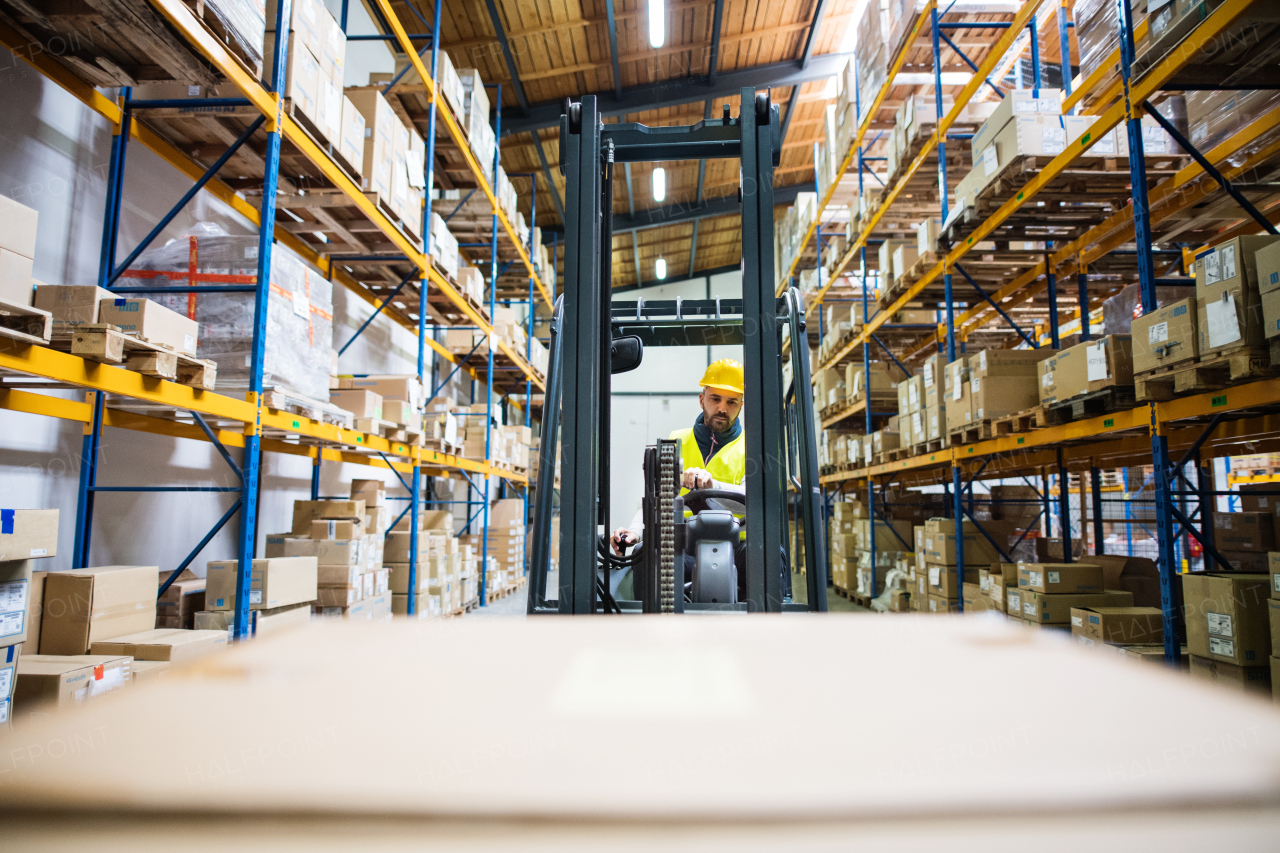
[{"x": 729, "y": 465}]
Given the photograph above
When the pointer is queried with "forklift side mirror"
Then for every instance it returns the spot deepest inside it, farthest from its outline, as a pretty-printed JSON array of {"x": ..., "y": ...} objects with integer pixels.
[{"x": 626, "y": 353}]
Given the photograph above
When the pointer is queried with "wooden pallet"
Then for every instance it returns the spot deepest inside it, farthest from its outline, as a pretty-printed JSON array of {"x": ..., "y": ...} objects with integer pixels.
[
  {"x": 107, "y": 344},
  {"x": 24, "y": 323},
  {"x": 1108, "y": 401},
  {"x": 971, "y": 433},
  {"x": 493, "y": 595},
  {"x": 282, "y": 399},
  {"x": 900, "y": 453},
  {"x": 214, "y": 26},
  {"x": 1220, "y": 371},
  {"x": 1021, "y": 422},
  {"x": 376, "y": 426}
]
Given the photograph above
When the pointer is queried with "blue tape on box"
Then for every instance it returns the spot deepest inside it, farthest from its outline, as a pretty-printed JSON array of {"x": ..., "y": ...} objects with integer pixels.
[{"x": 6, "y": 521}]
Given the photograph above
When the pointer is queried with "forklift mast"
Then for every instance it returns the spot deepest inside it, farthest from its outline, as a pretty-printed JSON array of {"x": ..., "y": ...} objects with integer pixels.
[{"x": 589, "y": 331}]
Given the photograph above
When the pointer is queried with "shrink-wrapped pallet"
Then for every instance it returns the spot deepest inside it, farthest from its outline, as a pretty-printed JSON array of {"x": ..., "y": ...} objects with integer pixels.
[{"x": 298, "y": 345}]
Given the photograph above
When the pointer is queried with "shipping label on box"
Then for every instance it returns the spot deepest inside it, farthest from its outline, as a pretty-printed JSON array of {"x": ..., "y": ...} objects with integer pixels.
[{"x": 152, "y": 322}]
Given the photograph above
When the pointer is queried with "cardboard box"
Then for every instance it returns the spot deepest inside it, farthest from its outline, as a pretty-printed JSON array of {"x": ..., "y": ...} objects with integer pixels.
[
  {"x": 327, "y": 552},
  {"x": 1008, "y": 362},
  {"x": 163, "y": 644},
  {"x": 1137, "y": 575},
  {"x": 1003, "y": 395},
  {"x": 275, "y": 583},
  {"x": 1267, "y": 263},
  {"x": 1246, "y": 679},
  {"x": 35, "y": 611},
  {"x": 16, "y": 280},
  {"x": 149, "y": 670},
  {"x": 1166, "y": 337},
  {"x": 940, "y": 542},
  {"x": 943, "y": 582},
  {"x": 278, "y": 619},
  {"x": 1273, "y": 618},
  {"x": 1118, "y": 626},
  {"x": 87, "y": 605},
  {"x": 1273, "y": 568},
  {"x": 389, "y": 386},
  {"x": 1243, "y": 531},
  {"x": 152, "y": 322},
  {"x": 15, "y": 602},
  {"x": 351, "y": 137},
  {"x": 335, "y": 528},
  {"x": 181, "y": 601},
  {"x": 1060, "y": 577},
  {"x": 941, "y": 604},
  {"x": 8, "y": 677},
  {"x": 1051, "y": 609},
  {"x": 381, "y": 127},
  {"x": 1227, "y": 617},
  {"x": 1019, "y": 102},
  {"x": 361, "y": 403},
  {"x": 18, "y": 225},
  {"x": 27, "y": 533},
  {"x": 1228, "y": 305},
  {"x": 74, "y": 304},
  {"x": 304, "y": 512},
  {"x": 64, "y": 680}
]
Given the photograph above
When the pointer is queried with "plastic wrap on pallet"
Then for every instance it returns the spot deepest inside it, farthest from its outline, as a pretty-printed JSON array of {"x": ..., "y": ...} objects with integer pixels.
[
  {"x": 870, "y": 56},
  {"x": 245, "y": 23},
  {"x": 299, "y": 340},
  {"x": 1098, "y": 30},
  {"x": 1212, "y": 117},
  {"x": 1119, "y": 312}
]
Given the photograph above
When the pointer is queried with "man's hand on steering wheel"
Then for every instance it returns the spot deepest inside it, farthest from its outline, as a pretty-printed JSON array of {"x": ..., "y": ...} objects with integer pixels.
[
  {"x": 621, "y": 538},
  {"x": 696, "y": 478}
]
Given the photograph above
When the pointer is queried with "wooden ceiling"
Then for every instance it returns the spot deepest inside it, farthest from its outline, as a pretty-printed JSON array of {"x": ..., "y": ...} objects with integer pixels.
[{"x": 561, "y": 50}]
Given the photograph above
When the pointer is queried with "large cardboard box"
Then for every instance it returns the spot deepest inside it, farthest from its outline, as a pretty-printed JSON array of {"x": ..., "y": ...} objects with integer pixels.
[
  {"x": 152, "y": 322},
  {"x": 1267, "y": 262},
  {"x": 1228, "y": 307},
  {"x": 16, "y": 280},
  {"x": 1019, "y": 102},
  {"x": 943, "y": 582},
  {"x": 1008, "y": 362},
  {"x": 64, "y": 680},
  {"x": 15, "y": 602},
  {"x": 1055, "y": 609},
  {"x": 18, "y": 227},
  {"x": 274, "y": 583},
  {"x": 361, "y": 403},
  {"x": 167, "y": 644},
  {"x": 1166, "y": 337},
  {"x": 86, "y": 605},
  {"x": 305, "y": 512},
  {"x": 1227, "y": 617},
  {"x": 1118, "y": 626},
  {"x": 959, "y": 407},
  {"x": 27, "y": 533},
  {"x": 1060, "y": 577},
  {"x": 1246, "y": 679},
  {"x": 381, "y": 127},
  {"x": 940, "y": 542},
  {"x": 1243, "y": 531},
  {"x": 1003, "y": 395},
  {"x": 72, "y": 303}
]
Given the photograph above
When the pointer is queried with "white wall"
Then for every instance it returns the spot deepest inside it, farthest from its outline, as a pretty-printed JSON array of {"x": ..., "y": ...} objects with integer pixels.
[
  {"x": 53, "y": 157},
  {"x": 660, "y": 395}
]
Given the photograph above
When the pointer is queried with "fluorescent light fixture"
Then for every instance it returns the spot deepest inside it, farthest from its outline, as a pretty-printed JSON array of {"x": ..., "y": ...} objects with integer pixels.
[
  {"x": 657, "y": 23},
  {"x": 660, "y": 268},
  {"x": 659, "y": 184}
]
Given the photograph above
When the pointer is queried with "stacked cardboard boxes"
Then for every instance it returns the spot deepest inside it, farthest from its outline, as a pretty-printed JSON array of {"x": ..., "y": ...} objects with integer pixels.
[
  {"x": 28, "y": 535},
  {"x": 397, "y": 398},
  {"x": 1229, "y": 313},
  {"x": 1229, "y": 620},
  {"x": 17, "y": 251},
  {"x": 315, "y": 65},
  {"x": 435, "y": 587},
  {"x": 506, "y": 537}
]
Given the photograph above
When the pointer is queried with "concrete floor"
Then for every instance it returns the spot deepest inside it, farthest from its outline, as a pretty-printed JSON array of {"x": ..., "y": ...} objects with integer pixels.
[{"x": 514, "y": 605}]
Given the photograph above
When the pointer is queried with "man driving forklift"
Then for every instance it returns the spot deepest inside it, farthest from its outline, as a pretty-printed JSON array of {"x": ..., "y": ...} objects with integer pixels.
[{"x": 713, "y": 450}]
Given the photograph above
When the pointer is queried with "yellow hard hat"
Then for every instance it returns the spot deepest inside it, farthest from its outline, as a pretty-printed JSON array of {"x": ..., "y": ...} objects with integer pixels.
[{"x": 725, "y": 374}]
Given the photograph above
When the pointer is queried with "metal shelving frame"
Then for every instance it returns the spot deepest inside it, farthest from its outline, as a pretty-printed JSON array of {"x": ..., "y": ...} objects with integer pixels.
[
  {"x": 302, "y": 436},
  {"x": 1152, "y": 433}
]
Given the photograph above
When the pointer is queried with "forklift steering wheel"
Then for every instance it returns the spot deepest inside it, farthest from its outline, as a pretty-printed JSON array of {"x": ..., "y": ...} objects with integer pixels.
[{"x": 696, "y": 499}]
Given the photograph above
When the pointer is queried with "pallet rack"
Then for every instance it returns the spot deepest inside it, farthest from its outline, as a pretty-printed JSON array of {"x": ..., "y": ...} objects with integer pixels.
[
  {"x": 113, "y": 394},
  {"x": 1188, "y": 429}
]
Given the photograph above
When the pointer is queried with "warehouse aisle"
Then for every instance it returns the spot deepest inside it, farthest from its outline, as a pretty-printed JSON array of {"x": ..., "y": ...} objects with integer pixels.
[{"x": 512, "y": 605}]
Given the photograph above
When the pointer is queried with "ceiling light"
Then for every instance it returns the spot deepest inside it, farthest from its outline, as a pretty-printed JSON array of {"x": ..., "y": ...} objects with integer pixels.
[
  {"x": 657, "y": 23},
  {"x": 660, "y": 268},
  {"x": 659, "y": 184}
]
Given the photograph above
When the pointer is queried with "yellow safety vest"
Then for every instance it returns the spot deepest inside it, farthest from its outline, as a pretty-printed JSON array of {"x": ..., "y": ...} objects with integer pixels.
[{"x": 729, "y": 465}]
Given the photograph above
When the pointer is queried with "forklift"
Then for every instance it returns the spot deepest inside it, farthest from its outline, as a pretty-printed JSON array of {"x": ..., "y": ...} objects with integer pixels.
[{"x": 731, "y": 545}]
